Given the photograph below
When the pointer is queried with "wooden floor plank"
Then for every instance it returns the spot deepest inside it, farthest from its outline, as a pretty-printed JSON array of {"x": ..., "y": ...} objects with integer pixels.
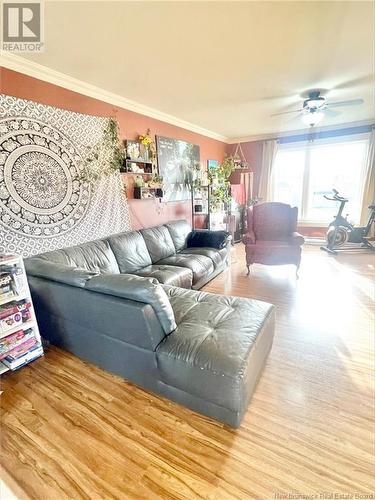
[{"x": 70, "y": 430}]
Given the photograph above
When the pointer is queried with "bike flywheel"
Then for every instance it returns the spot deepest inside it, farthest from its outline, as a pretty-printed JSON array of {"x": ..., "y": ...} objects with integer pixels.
[{"x": 340, "y": 239}]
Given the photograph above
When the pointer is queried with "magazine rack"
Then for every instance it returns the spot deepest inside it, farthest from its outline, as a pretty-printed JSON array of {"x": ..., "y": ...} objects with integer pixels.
[{"x": 18, "y": 324}]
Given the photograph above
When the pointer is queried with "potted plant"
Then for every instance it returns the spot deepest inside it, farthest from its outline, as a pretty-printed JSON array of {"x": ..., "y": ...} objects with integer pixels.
[
  {"x": 139, "y": 182},
  {"x": 220, "y": 197},
  {"x": 156, "y": 181}
]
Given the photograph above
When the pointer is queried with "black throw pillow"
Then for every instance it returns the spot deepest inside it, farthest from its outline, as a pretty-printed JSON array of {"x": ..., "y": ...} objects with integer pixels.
[{"x": 206, "y": 238}]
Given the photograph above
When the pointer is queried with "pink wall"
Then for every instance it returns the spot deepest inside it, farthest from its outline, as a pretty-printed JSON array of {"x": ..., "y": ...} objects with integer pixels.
[{"x": 144, "y": 213}]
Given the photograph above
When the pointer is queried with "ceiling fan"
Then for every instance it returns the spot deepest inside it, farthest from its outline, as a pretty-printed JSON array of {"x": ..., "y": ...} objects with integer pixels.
[{"x": 315, "y": 107}]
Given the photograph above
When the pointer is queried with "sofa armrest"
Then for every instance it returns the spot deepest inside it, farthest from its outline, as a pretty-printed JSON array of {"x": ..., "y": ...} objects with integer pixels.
[
  {"x": 296, "y": 239},
  {"x": 140, "y": 289},
  {"x": 249, "y": 238},
  {"x": 206, "y": 238},
  {"x": 46, "y": 269}
]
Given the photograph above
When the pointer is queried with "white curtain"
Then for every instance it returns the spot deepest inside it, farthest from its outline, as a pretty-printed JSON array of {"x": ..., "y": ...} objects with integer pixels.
[
  {"x": 368, "y": 196},
  {"x": 266, "y": 174}
]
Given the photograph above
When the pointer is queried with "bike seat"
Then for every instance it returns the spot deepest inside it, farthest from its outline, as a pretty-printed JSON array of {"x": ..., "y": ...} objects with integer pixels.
[{"x": 371, "y": 207}]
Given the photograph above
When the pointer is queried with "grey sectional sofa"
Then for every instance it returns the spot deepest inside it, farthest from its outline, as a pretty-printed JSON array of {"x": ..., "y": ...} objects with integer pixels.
[{"x": 125, "y": 303}]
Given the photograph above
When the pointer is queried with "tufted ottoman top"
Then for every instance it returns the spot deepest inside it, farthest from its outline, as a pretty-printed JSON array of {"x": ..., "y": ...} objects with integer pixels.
[{"x": 216, "y": 338}]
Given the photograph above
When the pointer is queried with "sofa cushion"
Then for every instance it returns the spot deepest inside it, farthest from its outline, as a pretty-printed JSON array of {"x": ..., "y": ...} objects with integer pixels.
[
  {"x": 130, "y": 251},
  {"x": 212, "y": 253},
  {"x": 140, "y": 289},
  {"x": 94, "y": 256},
  {"x": 199, "y": 264},
  {"x": 179, "y": 230},
  {"x": 159, "y": 242},
  {"x": 169, "y": 275},
  {"x": 218, "y": 343}
]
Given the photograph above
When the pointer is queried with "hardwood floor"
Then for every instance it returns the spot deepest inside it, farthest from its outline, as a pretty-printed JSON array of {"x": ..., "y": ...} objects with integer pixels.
[{"x": 70, "y": 430}]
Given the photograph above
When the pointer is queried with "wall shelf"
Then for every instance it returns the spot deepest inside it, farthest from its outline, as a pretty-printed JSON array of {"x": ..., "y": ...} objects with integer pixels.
[
  {"x": 147, "y": 193},
  {"x": 147, "y": 166},
  {"x": 136, "y": 173}
]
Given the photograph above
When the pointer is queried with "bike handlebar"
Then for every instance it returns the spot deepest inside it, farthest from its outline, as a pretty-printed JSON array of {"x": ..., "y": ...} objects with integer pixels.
[{"x": 336, "y": 196}]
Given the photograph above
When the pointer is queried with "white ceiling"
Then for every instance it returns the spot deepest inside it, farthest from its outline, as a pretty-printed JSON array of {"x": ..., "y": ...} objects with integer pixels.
[{"x": 224, "y": 66}]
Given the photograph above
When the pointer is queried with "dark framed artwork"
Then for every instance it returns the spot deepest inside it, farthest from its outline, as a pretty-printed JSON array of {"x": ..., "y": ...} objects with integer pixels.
[{"x": 177, "y": 161}]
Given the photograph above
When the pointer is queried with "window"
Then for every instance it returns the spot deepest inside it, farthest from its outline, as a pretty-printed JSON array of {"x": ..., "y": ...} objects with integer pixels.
[{"x": 303, "y": 174}]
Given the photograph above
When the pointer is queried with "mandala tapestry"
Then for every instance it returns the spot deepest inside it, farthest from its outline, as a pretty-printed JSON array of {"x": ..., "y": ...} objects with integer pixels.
[{"x": 45, "y": 203}]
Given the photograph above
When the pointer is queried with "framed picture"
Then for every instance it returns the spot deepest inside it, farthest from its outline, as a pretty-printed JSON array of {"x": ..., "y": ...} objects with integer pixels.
[
  {"x": 133, "y": 151},
  {"x": 212, "y": 164},
  {"x": 177, "y": 160}
]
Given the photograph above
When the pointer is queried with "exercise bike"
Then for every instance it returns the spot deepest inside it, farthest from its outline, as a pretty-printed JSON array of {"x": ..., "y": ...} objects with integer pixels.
[{"x": 341, "y": 231}]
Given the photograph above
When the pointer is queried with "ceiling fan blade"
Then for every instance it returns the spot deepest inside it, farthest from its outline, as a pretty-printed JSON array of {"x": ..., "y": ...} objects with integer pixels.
[
  {"x": 355, "y": 82},
  {"x": 350, "y": 102},
  {"x": 331, "y": 113},
  {"x": 287, "y": 112}
]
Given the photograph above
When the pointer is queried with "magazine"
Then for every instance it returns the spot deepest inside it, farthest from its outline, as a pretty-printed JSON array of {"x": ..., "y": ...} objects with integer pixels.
[
  {"x": 7, "y": 344},
  {"x": 35, "y": 352}
]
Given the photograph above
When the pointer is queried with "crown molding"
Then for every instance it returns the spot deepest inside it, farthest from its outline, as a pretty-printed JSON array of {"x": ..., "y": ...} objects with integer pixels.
[
  {"x": 35, "y": 70},
  {"x": 278, "y": 135}
]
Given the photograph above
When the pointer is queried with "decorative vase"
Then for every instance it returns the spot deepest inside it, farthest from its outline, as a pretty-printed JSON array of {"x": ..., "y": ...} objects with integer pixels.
[{"x": 146, "y": 153}]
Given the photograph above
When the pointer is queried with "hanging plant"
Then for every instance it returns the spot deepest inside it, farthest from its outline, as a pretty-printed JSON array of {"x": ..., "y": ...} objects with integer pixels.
[
  {"x": 106, "y": 157},
  {"x": 227, "y": 166},
  {"x": 112, "y": 141}
]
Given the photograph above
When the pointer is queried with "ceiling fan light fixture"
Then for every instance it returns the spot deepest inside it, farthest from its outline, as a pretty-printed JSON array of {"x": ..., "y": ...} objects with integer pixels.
[
  {"x": 312, "y": 118},
  {"x": 315, "y": 103}
]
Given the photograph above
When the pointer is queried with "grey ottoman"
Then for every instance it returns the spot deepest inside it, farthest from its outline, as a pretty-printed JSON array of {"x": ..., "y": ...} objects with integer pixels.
[{"x": 213, "y": 360}]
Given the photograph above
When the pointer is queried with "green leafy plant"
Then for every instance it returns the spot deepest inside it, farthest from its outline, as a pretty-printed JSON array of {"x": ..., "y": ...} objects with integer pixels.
[
  {"x": 253, "y": 201},
  {"x": 112, "y": 141},
  {"x": 196, "y": 181},
  {"x": 220, "y": 196},
  {"x": 139, "y": 181},
  {"x": 156, "y": 181},
  {"x": 106, "y": 157},
  {"x": 149, "y": 144},
  {"x": 220, "y": 184},
  {"x": 227, "y": 166}
]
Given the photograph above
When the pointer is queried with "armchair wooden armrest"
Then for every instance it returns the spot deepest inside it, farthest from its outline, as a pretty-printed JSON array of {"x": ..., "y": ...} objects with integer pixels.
[{"x": 296, "y": 239}]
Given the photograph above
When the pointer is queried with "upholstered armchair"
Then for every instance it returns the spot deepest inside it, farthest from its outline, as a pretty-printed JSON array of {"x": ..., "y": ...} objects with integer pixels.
[{"x": 271, "y": 236}]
